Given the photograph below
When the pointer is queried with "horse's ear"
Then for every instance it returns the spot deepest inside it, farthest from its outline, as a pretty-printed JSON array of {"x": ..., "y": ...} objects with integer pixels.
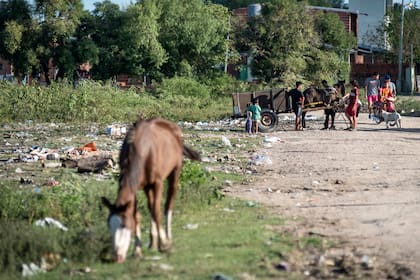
[{"x": 107, "y": 203}]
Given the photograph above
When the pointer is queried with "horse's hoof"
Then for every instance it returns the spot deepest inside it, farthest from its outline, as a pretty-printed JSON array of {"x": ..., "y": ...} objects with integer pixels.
[
  {"x": 165, "y": 247},
  {"x": 138, "y": 254}
]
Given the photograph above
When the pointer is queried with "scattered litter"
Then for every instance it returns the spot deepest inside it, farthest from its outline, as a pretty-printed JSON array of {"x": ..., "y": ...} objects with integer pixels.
[
  {"x": 165, "y": 267},
  {"x": 271, "y": 139},
  {"x": 283, "y": 266},
  {"x": 31, "y": 269},
  {"x": 115, "y": 130},
  {"x": 225, "y": 141},
  {"x": 221, "y": 276},
  {"x": 53, "y": 164},
  {"x": 208, "y": 159},
  {"x": 18, "y": 170},
  {"x": 366, "y": 262},
  {"x": 190, "y": 226},
  {"x": 24, "y": 181},
  {"x": 250, "y": 204},
  {"x": 228, "y": 210},
  {"x": 267, "y": 145},
  {"x": 315, "y": 183},
  {"x": 261, "y": 160},
  {"x": 53, "y": 156},
  {"x": 228, "y": 183},
  {"x": 89, "y": 147},
  {"x": 50, "y": 222},
  {"x": 52, "y": 183},
  {"x": 28, "y": 158},
  {"x": 154, "y": 258},
  {"x": 339, "y": 182}
]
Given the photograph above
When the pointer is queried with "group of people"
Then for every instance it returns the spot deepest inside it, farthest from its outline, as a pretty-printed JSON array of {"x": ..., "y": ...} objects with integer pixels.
[
  {"x": 352, "y": 110},
  {"x": 385, "y": 94}
]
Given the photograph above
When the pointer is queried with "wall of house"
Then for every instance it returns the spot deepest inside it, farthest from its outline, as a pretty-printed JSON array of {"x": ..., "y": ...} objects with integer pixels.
[
  {"x": 371, "y": 16},
  {"x": 6, "y": 70}
]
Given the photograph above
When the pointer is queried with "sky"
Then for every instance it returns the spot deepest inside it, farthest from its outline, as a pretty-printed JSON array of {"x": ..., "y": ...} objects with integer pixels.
[{"x": 88, "y": 4}]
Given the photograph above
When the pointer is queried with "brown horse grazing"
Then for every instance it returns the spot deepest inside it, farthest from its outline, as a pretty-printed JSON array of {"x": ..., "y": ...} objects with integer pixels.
[{"x": 151, "y": 152}]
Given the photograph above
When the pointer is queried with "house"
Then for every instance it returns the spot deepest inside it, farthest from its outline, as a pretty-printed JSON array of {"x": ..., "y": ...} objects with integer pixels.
[
  {"x": 373, "y": 14},
  {"x": 6, "y": 70}
]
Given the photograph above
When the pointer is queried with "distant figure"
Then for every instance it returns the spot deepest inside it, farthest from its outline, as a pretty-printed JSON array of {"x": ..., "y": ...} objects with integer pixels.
[
  {"x": 255, "y": 109},
  {"x": 331, "y": 94},
  {"x": 298, "y": 100},
  {"x": 248, "y": 123},
  {"x": 390, "y": 85},
  {"x": 372, "y": 87},
  {"x": 387, "y": 98},
  {"x": 351, "y": 110}
]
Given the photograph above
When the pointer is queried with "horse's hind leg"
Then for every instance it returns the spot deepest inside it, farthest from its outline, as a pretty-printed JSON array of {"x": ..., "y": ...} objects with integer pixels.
[
  {"x": 172, "y": 189},
  {"x": 158, "y": 237}
]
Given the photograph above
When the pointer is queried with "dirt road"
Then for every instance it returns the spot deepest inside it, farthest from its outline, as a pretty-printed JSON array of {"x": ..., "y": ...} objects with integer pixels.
[{"x": 361, "y": 187}]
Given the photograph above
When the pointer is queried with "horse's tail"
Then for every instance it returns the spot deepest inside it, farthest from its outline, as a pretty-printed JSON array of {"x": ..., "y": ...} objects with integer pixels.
[{"x": 190, "y": 153}]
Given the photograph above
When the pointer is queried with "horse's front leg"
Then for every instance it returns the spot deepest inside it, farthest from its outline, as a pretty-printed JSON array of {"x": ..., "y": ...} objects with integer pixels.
[{"x": 137, "y": 239}]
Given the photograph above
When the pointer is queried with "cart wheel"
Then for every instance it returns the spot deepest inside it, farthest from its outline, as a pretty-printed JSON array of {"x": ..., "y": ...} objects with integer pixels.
[{"x": 268, "y": 121}]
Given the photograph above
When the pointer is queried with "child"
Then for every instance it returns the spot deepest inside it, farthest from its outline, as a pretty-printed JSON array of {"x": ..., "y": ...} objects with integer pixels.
[
  {"x": 255, "y": 109},
  {"x": 248, "y": 123}
]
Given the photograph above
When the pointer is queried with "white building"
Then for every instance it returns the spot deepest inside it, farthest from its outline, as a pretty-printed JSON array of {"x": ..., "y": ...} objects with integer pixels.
[{"x": 372, "y": 14}]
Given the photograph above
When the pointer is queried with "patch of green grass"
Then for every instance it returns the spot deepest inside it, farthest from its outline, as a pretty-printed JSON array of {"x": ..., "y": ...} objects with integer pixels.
[
  {"x": 407, "y": 103},
  {"x": 231, "y": 238}
]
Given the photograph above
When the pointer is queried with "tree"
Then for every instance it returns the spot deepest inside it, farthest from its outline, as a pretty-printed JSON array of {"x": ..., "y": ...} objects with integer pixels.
[
  {"x": 279, "y": 39},
  {"x": 16, "y": 35},
  {"x": 333, "y": 33},
  {"x": 411, "y": 26},
  {"x": 57, "y": 20},
  {"x": 194, "y": 36},
  {"x": 286, "y": 46}
]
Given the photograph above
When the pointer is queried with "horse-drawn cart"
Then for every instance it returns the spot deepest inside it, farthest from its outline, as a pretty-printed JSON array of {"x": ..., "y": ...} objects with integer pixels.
[{"x": 272, "y": 103}]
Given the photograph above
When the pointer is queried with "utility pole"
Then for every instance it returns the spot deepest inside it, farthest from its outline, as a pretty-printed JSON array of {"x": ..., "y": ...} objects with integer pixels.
[{"x": 399, "y": 81}]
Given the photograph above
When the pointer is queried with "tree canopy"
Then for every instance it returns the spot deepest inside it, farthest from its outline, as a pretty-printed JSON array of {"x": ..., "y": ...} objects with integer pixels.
[{"x": 167, "y": 38}]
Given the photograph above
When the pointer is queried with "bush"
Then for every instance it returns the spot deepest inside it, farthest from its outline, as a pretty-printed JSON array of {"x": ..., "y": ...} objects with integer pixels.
[{"x": 176, "y": 99}]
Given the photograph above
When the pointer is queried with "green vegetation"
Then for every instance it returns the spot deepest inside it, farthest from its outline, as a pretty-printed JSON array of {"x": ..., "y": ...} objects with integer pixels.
[
  {"x": 232, "y": 236},
  {"x": 176, "y": 99}
]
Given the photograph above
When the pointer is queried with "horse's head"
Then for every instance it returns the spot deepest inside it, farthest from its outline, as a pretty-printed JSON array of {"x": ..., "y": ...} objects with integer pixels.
[
  {"x": 310, "y": 94},
  {"x": 313, "y": 94},
  {"x": 122, "y": 224}
]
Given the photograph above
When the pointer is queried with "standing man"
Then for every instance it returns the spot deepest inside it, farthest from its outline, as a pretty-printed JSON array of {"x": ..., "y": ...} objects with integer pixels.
[
  {"x": 298, "y": 100},
  {"x": 255, "y": 109},
  {"x": 331, "y": 96},
  {"x": 372, "y": 87}
]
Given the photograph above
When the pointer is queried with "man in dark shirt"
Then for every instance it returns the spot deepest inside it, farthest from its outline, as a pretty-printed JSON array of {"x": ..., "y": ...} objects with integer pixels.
[{"x": 298, "y": 100}]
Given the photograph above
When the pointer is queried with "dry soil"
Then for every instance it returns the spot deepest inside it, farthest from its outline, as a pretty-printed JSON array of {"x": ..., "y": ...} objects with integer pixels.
[{"x": 361, "y": 187}]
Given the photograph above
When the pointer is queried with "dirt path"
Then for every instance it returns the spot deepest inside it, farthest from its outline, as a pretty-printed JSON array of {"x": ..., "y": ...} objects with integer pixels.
[{"x": 362, "y": 187}]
